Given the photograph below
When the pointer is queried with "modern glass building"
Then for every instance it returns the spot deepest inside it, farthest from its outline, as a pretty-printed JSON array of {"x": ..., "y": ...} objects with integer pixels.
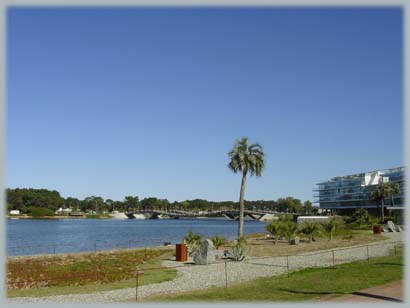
[{"x": 353, "y": 191}]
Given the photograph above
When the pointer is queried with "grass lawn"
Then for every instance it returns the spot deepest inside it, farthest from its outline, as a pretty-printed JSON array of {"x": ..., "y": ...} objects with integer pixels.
[
  {"x": 304, "y": 285},
  {"x": 123, "y": 279}
]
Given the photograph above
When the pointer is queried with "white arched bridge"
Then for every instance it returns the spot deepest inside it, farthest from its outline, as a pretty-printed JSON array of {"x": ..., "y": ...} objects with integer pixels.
[{"x": 176, "y": 214}]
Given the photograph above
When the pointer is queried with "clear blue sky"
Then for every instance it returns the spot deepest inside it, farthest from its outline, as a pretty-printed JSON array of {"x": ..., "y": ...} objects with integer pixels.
[{"x": 148, "y": 102}]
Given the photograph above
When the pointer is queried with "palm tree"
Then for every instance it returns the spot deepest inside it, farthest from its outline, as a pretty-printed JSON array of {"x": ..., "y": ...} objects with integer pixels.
[
  {"x": 330, "y": 227},
  {"x": 291, "y": 229},
  {"x": 246, "y": 159},
  {"x": 310, "y": 229},
  {"x": 378, "y": 195},
  {"x": 274, "y": 229},
  {"x": 393, "y": 189}
]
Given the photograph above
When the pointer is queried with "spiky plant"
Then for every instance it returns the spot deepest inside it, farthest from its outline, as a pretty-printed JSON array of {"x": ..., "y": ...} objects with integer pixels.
[
  {"x": 237, "y": 253},
  {"x": 192, "y": 241}
]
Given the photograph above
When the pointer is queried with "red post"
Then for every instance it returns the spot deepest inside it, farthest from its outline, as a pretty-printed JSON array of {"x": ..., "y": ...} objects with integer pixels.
[{"x": 181, "y": 253}]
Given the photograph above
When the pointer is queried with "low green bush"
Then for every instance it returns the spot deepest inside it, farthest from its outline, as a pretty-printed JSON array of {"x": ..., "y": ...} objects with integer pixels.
[
  {"x": 95, "y": 216},
  {"x": 218, "y": 241},
  {"x": 39, "y": 212},
  {"x": 192, "y": 241}
]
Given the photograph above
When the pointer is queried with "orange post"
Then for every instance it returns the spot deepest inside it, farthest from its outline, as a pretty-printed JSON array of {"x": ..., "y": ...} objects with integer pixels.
[{"x": 181, "y": 253}]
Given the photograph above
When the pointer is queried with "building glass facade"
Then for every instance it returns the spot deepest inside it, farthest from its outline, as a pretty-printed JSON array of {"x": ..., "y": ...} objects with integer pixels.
[{"x": 353, "y": 191}]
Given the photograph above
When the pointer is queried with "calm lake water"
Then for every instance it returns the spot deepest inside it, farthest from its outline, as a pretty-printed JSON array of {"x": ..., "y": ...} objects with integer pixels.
[{"x": 40, "y": 236}]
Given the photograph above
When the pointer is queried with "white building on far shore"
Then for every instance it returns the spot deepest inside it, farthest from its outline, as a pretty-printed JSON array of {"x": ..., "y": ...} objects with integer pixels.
[{"x": 62, "y": 211}]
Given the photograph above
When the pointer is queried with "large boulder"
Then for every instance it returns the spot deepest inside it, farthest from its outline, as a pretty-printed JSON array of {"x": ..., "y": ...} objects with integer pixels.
[{"x": 205, "y": 253}]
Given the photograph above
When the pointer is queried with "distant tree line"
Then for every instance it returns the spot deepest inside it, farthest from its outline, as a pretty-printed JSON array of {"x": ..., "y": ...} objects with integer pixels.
[{"x": 27, "y": 199}]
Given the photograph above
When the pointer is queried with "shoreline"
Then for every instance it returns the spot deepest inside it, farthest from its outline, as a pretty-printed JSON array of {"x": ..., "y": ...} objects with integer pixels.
[
  {"x": 55, "y": 217},
  {"x": 67, "y": 254},
  {"x": 82, "y": 253}
]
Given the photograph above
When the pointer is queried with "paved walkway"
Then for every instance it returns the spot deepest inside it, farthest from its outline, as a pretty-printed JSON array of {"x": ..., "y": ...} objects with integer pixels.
[{"x": 389, "y": 292}]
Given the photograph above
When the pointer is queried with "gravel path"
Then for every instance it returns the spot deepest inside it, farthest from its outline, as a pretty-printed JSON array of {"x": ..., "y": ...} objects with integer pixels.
[{"x": 195, "y": 277}]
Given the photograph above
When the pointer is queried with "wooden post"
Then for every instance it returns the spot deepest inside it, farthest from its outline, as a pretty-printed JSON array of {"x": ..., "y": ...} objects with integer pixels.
[
  {"x": 137, "y": 282},
  {"x": 333, "y": 257},
  {"x": 226, "y": 276},
  {"x": 100, "y": 268},
  {"x": 136, "y": 286},
  {"x": 287, "y": 264},
  {"x": 367, "y": 249}
]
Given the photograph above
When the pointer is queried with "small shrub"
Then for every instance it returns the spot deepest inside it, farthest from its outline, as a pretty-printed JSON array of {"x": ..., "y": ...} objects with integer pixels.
[
  {"x": 192, "y": 241},
  {"x": 237, "y": 253},
  {"x": 286, "y": 218},
  {"x": 218, "y": 241},
  {"x": 39, "y": 212},
  {"x": 361, "y": 217}
]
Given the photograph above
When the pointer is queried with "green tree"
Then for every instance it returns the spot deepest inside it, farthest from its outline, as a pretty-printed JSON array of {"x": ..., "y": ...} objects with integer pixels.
[
  {"x": 150, "y": 203},
  {"x": 289, "y": 205},
  {"x": 361, "y": 216},
  {"x": 310, "y": 229},
  {"x": 290, "y": 229},
  {"x": 308, "y": 207},
  {"x": 131, "y": 203},
  {"x": 110, "y": 204},
  {"x": 329, "y": 227},
  {"x": 72, "y": 203},
  {"x": 274, "y": 229},
  {"x": 23, "y": 198},
  {"x": 39, "y": 211},
  {"x": 246, "y": 159},
  {"x": 185, "y": 205},
  {"x": 94, "y": 203},
  {"x": 382, "y": 191},
  {"x": 393, "y": 189}
]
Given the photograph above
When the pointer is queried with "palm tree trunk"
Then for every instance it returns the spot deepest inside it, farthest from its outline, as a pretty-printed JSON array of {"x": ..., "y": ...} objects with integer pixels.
[
  {"x": 382, "y": 210},
  {"x": 241, "y": 205}
]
